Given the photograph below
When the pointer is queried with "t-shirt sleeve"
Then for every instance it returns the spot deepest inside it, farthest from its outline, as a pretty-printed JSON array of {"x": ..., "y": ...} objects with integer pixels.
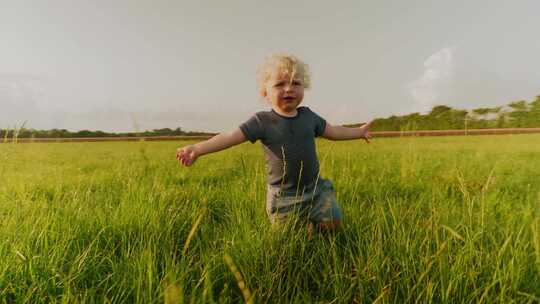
[
  {"x": 320, "y": 124},
  {"x": 252, "y": 129}
]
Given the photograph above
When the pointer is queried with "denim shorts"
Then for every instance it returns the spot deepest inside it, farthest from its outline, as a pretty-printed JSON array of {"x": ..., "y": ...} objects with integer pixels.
[{"x": 316, "y": 203}]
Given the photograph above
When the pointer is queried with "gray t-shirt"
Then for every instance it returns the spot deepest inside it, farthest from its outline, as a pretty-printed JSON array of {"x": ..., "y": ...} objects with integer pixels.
[{"x": 289, "y": 145}]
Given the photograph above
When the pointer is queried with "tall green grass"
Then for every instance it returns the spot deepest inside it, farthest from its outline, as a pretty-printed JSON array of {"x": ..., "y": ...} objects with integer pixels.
[{"x": 446, "y": 219}]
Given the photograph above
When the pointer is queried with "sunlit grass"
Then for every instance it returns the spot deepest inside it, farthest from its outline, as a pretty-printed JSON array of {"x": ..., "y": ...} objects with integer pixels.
[{"x": 441, "y": 219}]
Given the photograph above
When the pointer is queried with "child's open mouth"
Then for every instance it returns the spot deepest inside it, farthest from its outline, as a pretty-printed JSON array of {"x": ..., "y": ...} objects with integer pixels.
[{"x": 288, "y": 98}]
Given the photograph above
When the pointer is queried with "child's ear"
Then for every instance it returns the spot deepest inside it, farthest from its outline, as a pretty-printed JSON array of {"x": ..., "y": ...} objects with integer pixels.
[{"x": 263, "y": 92}]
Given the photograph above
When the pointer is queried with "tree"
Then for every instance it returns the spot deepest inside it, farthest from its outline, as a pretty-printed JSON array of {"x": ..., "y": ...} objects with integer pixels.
[
  {"x": 439, "y": 110},
  {"x": 534, "y": 112},
  {"x": 518, "y": 115}
]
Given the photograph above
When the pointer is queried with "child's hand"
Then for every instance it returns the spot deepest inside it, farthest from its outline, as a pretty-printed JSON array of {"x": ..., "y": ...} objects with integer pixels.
[
  {"x": 187, "y": 155},
  {"x": 364, "y": 131}
]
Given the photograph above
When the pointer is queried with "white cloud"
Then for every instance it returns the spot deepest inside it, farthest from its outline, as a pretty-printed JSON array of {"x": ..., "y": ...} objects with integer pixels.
[{"x": 435, "y": 81}]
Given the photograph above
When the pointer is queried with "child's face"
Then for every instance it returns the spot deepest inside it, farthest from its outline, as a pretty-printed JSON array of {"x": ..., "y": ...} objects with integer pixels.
[{"x": 284, "y": 91}]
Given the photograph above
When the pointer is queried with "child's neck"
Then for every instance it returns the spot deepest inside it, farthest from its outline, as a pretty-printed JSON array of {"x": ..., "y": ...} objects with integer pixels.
[{"x": 292, "y": 113}]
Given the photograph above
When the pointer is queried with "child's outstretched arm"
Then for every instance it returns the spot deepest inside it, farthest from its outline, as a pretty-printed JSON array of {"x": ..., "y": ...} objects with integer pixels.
[
  {"x": 344, "y": 133},
  {"x": 188, "y": 155}
]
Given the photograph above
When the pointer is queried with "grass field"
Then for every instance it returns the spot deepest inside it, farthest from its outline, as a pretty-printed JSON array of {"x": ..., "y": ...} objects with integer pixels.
[{"x": 431, "y": 219}]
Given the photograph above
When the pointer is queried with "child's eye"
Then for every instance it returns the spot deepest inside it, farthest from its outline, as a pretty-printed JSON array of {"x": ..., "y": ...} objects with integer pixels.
[
  {"x": 297, "y": 83},
  {"x": 279, "y": 84}
]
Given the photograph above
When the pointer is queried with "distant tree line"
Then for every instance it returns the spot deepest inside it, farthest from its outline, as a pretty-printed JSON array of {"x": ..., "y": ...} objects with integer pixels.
[
  {"x": 63, "y": 133},
  {"x": 517, "y": 114}
]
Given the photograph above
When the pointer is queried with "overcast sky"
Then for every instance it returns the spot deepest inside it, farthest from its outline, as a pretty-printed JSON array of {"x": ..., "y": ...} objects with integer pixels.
[{"x": 126, "y": 65}]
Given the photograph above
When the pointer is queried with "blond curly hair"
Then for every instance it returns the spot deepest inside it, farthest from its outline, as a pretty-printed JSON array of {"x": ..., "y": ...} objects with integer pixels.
[{"x": 282, "y": 62}]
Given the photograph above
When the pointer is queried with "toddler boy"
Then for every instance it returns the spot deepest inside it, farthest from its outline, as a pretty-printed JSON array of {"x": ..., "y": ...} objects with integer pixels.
[{"x": 287, "y": 133}]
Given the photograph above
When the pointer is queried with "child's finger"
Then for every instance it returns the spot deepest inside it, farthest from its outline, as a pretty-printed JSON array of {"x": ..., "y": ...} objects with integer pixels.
[
  {"x": 182, "y": 158},
  {"x": 179, "y": 156},
  {"x": 367, "y": 137}
]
